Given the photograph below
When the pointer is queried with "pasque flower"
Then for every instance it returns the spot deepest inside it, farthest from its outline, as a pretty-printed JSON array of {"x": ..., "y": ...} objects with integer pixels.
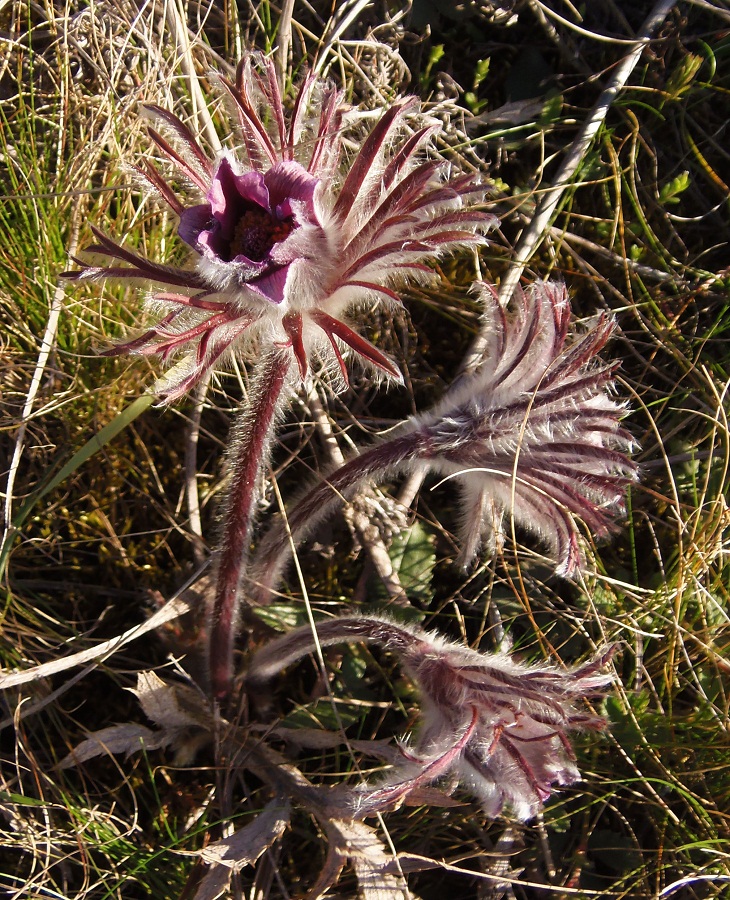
[
  {"x": 284, "y": 247},
  {"x": 498, "y": 726},
  {"x": 533, "y": 437}
]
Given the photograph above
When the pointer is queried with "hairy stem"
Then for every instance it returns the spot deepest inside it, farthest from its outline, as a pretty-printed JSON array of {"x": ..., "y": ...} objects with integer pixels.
[
  {"x": 249, "y": 452},
  {"x": 290, "y": 647},
  {"x": 374, "y": 464}
]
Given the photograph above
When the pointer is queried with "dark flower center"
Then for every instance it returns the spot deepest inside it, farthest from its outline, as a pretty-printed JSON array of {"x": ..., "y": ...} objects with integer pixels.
[{"x": 256, "y": 233}]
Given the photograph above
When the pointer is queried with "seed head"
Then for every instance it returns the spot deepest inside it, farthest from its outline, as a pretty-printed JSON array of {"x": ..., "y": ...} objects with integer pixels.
[{"x": 535, "y": 435}]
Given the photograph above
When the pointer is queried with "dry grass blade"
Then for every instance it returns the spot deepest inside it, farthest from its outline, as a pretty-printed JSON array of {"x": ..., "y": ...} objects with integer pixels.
[
  {"x": 172, "y": 610},
  {"x": 548, "y": 203}
]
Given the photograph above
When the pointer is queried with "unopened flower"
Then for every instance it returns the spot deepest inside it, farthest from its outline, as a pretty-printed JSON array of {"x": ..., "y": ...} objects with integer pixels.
[
  {"x": 498, "y": 726},
  {"x": 534, "y": 437},
  {"x": 284, "y": 248},
  {"x": 535, "y": 433}
]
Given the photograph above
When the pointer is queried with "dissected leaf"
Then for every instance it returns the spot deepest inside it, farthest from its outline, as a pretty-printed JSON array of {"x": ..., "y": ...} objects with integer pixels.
[
  {"x": 167, "y": 706},
  {"x": 359, "y": 844},
  {"x": 670, "y": 192},
  {"x": 161, "y": 703},
  {"x": 242, "y": 848}
]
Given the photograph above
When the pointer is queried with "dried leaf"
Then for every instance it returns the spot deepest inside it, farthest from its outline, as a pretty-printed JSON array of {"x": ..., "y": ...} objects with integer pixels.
[
  {"x": 127, "y": 738},
  {"x": 431, "y": 796},
  {"x": 320, "y": 739},
  {"x": 161, "y": 703},
  {"x": 214, "y": 884},
  {"x": 516, "y": 112},
  {"x": 360, "y": 845},
  {"x": 242, "y": 848}
]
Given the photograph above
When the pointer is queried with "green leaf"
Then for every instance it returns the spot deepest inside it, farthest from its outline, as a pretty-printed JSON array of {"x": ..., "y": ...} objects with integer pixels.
[
  {"x": 480, "y": 72},
  {"x": 352, "y": 674},
  {"x": 413, "y": 556},
  {"x": 320, "y": 714},
  {"x": 434, "y": 57},
  {"x": 551, "y": 110},
  {"x": 669, "y": 194},
  {"x": 20, "y": 799},
  {"x": 680, "y": 81},
  {"x": 474, "y": 103},
  {"x": 281, "y": 616}
]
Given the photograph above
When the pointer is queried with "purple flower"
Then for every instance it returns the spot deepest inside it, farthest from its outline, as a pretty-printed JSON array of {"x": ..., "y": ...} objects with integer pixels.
[
  {"x": 498, "y": 726},
  {"x": 254, "y": 226},
  {"x": 532, "y": 438},
  {"x": 284, "y": 248}
]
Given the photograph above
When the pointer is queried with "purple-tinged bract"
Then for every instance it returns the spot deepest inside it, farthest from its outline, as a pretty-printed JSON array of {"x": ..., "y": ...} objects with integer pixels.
[
  {"x": 534, "y": 437},
  {"x": 284, "y": 247}
]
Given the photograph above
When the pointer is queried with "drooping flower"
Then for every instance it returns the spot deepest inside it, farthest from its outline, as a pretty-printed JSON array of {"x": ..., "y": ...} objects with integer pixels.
[
  {"x": 534, "y": 437},
  {"x": 499, "y": 726},
  {"x": 284, "y": 248}
]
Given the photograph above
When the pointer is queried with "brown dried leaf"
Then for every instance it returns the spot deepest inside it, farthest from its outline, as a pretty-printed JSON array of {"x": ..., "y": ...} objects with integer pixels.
[
  {"x": 242, "y": 848},
  {"x": 318, "y": 739},
  {"x": 360, "y": 845},
  {"x": 127, "y": 738},
  {"x": 162, "y": 703},
  {"x": 431, "y": 796}
]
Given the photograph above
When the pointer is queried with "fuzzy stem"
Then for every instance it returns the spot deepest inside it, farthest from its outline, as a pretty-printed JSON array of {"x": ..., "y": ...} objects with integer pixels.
[
  {"x": 250, "y": 450},
  {"x": 292, "y": 646},
  {"x": 375, "y": 463}
]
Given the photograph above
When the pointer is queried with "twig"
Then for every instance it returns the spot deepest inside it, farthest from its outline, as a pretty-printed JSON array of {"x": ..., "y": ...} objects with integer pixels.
[
  {"x": 714, "y": 8},
  {"x": 191, "y": 471},
  {"x": 339, "y": 24},
  {"x": 284, "y": 40},
  {"x": 173, "y": 609},
  {"x": 176, "y": 21},
  {"x": 615, "y": 259},
  {"x": 532, "y": 237},
  {"x": 366, "y": 531},
  {"x": 593, "y": 35}
]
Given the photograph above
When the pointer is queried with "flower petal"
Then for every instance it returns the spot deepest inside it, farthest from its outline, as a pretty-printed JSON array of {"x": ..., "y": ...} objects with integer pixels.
[
  {"x": 289, "y": 181},
  {"x": 193, "y": 221}
]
